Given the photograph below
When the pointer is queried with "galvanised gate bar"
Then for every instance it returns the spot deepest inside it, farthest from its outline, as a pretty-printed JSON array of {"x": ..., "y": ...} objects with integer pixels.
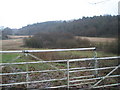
[{"x": 93, "y": 80}]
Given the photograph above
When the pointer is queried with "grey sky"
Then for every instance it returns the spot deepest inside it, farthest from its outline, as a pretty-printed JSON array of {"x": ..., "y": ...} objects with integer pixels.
[{"x": 18, "y": 13}]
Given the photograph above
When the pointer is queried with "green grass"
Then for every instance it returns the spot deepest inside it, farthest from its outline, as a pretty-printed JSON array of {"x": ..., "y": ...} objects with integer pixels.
[
  {"x": 73, "y": 54},
  {"x": 10, "y": 58},
  {"x": 7, "y": 58},
  {"x": 88, "y": 54},
  {"x": 0, "y": 58}
]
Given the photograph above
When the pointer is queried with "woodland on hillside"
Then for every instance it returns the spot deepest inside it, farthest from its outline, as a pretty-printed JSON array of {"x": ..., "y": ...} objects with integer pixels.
[
  {"x": 61, "y": 34},
  {"x": 96, "y": 26}
]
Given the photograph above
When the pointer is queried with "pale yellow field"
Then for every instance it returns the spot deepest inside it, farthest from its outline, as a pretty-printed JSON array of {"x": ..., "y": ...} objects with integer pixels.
[
  {"x": 12, "y": 44},
  {"x": 17, "y": 37},
  {"x": 16, "y": 44},
  {"x": 97, "y": 39}
]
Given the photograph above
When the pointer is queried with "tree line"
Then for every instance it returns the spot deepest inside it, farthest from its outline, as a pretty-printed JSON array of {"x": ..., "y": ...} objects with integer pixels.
[{"x": 97, "y": 26}]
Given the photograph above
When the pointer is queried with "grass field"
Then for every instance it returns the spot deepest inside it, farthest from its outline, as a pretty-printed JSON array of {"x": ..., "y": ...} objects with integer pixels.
[
  {"x": 12, "y": 44},
  {"x": 17, "y": 37},
  {"x": 7, "y": 58},
  {"x": 16, "y": 44},
  {"x": 97, "y": 39}
]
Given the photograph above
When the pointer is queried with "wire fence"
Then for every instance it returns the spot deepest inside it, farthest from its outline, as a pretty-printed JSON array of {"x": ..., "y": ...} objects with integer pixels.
[{"x": 91, "y": 80}]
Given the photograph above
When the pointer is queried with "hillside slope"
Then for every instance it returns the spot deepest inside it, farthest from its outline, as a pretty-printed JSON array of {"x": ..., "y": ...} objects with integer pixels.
[{"x": 97, "y": 26}]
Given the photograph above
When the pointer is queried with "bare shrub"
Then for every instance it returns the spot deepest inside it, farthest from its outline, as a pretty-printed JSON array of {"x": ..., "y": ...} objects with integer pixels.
[{"x": 55, "y": 40}]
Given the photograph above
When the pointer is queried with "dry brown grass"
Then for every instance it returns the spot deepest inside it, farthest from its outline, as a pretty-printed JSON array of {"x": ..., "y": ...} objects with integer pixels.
[
  {"x": 15, "y": 44},
  {"x": 11, "y": 44},
  {"x": 17, "y": 37},
  {"x": 97, "y": 39}
]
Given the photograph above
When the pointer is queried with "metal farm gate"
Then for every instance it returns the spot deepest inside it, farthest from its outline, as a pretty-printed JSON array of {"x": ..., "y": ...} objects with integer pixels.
[{"x": 92, "y": 79}]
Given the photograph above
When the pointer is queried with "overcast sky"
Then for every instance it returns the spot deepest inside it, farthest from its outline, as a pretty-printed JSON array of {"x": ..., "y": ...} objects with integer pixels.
[{"x": 18, "y": 13}]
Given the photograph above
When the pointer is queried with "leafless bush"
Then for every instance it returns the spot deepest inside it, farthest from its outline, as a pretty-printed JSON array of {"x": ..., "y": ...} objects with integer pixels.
[{"x": 55, "y": 40}]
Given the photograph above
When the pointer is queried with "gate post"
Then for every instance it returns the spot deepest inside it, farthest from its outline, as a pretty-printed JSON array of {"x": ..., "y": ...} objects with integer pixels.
[
  {"x": 68, "y": 74},
  {"x": 95, "y": 63},
  {"x": 27, "y": 75}
]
